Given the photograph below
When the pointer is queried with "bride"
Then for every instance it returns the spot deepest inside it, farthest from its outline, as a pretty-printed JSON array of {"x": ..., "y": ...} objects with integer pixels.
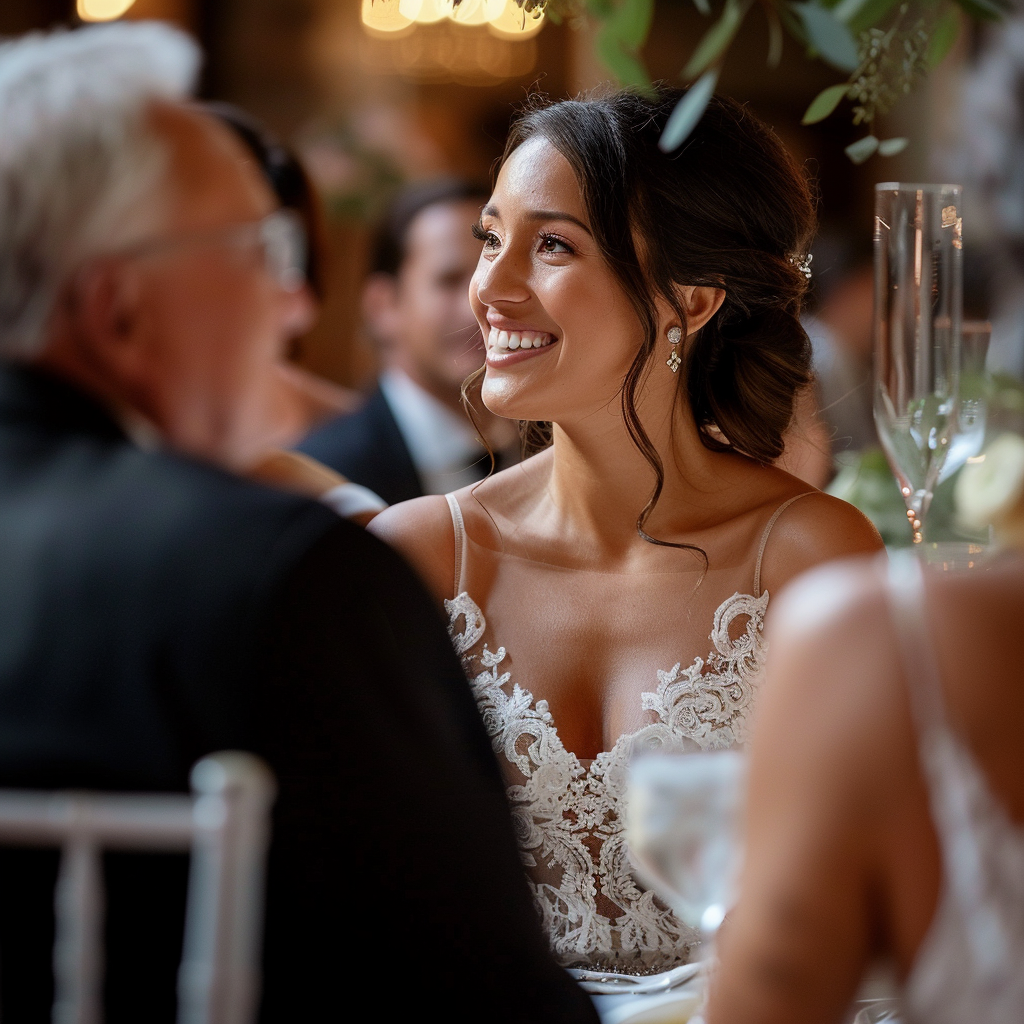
[{"x": 608, "y": 594}]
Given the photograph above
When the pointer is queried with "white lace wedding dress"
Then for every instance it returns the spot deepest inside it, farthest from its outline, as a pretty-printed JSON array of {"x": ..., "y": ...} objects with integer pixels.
[{"x": 567, "y": 809}]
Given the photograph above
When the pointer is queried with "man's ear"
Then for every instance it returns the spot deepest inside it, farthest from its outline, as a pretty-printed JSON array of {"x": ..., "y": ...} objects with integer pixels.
[
  {"x": 109, "y": 319},
  {"x": 701, "y": 303},
  {"x": 380, "y": 307}
]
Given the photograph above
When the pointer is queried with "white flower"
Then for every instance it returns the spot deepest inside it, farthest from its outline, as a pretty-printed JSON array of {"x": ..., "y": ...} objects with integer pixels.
[{"x": 990, "y": 491}]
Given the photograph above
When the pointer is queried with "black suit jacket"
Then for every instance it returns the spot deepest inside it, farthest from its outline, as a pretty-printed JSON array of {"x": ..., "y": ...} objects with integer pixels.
[
  {"x": 152, "y": 610},
  {"x": 367, "y": 447}
]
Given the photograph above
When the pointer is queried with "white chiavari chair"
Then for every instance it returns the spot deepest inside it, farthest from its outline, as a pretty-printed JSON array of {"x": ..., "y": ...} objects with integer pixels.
[{"x": 225, "y": 824}]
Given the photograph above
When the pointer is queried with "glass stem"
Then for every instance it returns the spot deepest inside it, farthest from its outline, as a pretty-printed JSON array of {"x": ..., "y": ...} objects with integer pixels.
[{"x": 917, "y": 507}]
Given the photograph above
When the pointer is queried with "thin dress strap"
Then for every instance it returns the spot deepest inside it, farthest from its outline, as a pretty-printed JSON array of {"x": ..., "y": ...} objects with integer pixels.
[
  {"x": 460, "y": 541},
  {"x": 764, "y": 537}
]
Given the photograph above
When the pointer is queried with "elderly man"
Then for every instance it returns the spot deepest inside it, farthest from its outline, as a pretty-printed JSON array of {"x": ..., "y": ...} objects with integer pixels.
[{"x": 155, "y": 607}]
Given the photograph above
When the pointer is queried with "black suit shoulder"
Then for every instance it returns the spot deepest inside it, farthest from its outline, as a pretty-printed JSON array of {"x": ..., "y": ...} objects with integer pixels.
[{"x": 367, "y": 447}]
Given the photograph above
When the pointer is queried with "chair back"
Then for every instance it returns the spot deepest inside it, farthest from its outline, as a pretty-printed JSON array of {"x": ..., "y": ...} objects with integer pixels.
[{"x": 225, "y": 824}]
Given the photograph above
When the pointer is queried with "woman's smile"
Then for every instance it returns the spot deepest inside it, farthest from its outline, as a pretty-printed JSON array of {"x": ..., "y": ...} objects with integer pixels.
[{"x": 507, "y": 347}]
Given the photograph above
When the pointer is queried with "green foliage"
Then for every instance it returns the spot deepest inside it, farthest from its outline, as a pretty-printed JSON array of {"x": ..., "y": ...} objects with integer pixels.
[
  {"x": 986, "y": 10},
  {"x": 824, "y": 103},
  {"x": 943, "y": 38},
  {"x": 890, "y": 147},
  {"x": 827, "y": 35},
  {"x": 688, "y": 112},
  {"x": 717, "y": 38},
  {"x": 862, "y": 149},
  {"x": 886, "y": 46},
  {"x": 867, "y": 15},
  {"x": 624, "y": 30}
]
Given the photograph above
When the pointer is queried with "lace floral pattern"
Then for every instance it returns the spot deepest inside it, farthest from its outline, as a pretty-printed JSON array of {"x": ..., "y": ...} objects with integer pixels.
[{"x": 567, "y": 811}]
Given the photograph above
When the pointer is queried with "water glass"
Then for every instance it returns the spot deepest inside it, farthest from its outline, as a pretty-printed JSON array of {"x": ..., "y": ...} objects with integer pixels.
[{"x": 683, "y": 830}]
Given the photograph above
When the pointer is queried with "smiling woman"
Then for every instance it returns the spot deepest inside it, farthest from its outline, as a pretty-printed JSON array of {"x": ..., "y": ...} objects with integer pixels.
[{"x": 642, "y": 310}]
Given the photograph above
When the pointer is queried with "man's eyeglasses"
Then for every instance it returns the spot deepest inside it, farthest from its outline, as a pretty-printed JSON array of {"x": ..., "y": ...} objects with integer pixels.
[{"x": 280, "y": 235}]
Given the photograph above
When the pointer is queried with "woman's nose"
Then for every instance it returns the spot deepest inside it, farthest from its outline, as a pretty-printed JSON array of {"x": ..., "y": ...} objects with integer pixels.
[{"x": 502, "y": 279}]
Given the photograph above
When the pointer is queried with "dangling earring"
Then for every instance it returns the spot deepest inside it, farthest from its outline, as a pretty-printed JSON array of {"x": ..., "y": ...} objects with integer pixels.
[{"x": 675, "y": 335}]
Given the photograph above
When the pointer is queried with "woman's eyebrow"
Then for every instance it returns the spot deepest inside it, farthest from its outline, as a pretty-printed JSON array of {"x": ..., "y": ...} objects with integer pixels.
[{"x": 492, "y": 211}]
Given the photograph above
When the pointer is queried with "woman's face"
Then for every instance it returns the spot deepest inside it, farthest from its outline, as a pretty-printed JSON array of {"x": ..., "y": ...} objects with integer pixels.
[{"x": 560, "y": 331}]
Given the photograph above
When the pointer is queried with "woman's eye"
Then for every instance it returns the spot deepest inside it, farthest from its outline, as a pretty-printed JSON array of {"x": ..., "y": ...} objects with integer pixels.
[
  {"x": 489, "y": 238},
  {"x": 553, "y": 244}
]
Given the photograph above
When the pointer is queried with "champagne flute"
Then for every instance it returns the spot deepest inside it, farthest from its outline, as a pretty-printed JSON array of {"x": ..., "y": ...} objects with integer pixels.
[
  {"x": 917, "y": 325},
  {"x": 683, "y": 816},
  {"x": 972, "y": 408}
]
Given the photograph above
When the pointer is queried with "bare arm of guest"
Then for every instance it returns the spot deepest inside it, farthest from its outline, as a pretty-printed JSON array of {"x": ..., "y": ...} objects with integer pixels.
[
  {"x": 293, "y": 471},
  {"x": 841, "y": 858}
]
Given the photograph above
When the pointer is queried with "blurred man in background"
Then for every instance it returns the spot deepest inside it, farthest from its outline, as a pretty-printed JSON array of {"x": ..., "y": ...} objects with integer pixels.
[
  {"x": 413, "y": 436},
  {"x": 155, "y": 607}
]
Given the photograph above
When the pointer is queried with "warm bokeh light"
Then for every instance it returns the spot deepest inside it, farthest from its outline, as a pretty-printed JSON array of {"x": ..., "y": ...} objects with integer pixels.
[
  {"x": 505, "y": 18},
  {"x": 469, "y": 12},
  {"x": 426, "y": 12},
  {"x": 383, "y": 16},
  {"x": 102, "y": 10},
  {"x": 508, "y": 20}
]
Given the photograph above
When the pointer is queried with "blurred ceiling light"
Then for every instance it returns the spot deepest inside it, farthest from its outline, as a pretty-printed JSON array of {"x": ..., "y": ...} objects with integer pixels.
[
  {"x": 469, "y": 12},
  {"x": 102, "y": 10},
  {"x": 426, "y": 12},
  {"x": 378, "y": 15},
  {"x": 507, "y": 20},
  {"x": 503, "y": 18}
]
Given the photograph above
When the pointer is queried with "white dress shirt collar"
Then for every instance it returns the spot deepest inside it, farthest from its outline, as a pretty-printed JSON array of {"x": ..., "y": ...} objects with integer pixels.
[{"x": 442, "y": 443}]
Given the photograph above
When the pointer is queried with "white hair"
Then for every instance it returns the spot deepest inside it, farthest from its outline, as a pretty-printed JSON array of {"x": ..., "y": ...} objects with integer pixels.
[{"x": 80, "y": 167}]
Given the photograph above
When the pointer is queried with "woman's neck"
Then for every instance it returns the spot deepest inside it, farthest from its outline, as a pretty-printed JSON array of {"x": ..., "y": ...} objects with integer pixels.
[{"x": 600, "y": 482}]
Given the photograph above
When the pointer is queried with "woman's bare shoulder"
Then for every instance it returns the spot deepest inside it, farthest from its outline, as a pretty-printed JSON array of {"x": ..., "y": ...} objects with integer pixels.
[
  {"x": 423, "y": 532},
  {"x": 817, "y": 528}
]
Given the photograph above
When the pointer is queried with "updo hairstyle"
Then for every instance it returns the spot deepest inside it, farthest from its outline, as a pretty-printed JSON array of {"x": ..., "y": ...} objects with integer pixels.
[{"x": 729, "y": 209}]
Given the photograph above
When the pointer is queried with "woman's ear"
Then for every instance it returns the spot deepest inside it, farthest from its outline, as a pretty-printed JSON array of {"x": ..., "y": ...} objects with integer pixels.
[{"x": 701, "y": 303}]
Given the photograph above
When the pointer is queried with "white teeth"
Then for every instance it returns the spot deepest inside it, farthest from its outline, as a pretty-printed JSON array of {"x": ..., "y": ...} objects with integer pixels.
[{"x": 504, "y": 341}]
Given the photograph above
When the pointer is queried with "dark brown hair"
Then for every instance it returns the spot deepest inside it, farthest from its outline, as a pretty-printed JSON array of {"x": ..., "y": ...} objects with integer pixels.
[
  {"x": 290, "y": 183},
  {"x": 729, "y": 209}
]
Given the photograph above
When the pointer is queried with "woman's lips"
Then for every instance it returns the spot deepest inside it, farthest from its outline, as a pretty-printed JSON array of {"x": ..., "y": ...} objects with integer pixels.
[{"x": 505, "y": 347}]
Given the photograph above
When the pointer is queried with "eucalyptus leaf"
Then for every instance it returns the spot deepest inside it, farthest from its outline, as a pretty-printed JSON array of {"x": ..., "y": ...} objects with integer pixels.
[
  {"x": 774, "y": 40},
  {"x": 860, "y": 150},
  {"x": 985, "y": 10},
  {"x": 943, "y": 37},
  {"x": 859, "y": 15},
  {"x": 623, "y": 65},
  {"x": 689, "y": 110},
  {"x": 890, "y": 147},
  {"x": 830, "y": 37},
  {"x": 717, "y": 39},
  {"x": 824, "y": 103},
  {"x": 632, "y": 21}
]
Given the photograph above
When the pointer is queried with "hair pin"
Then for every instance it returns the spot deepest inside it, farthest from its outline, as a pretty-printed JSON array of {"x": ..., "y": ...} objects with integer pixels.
[{"x": 802, "y": 262}]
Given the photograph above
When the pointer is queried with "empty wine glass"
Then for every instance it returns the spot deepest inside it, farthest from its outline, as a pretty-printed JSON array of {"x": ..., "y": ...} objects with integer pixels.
[
  {"x": 917, "y": 326},
  {"x": 683, "y": 816}
]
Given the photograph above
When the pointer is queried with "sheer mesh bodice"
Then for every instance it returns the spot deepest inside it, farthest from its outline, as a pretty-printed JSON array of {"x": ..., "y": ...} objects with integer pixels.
[
  {"x": 688, "y": 661},
  {"x": 969, "y": 966}
]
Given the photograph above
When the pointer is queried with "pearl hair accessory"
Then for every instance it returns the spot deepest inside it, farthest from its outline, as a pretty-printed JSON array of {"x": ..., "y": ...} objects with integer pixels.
[
  {"x": 802, "y": 262},
  {"x": 675, "y": 335}
]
